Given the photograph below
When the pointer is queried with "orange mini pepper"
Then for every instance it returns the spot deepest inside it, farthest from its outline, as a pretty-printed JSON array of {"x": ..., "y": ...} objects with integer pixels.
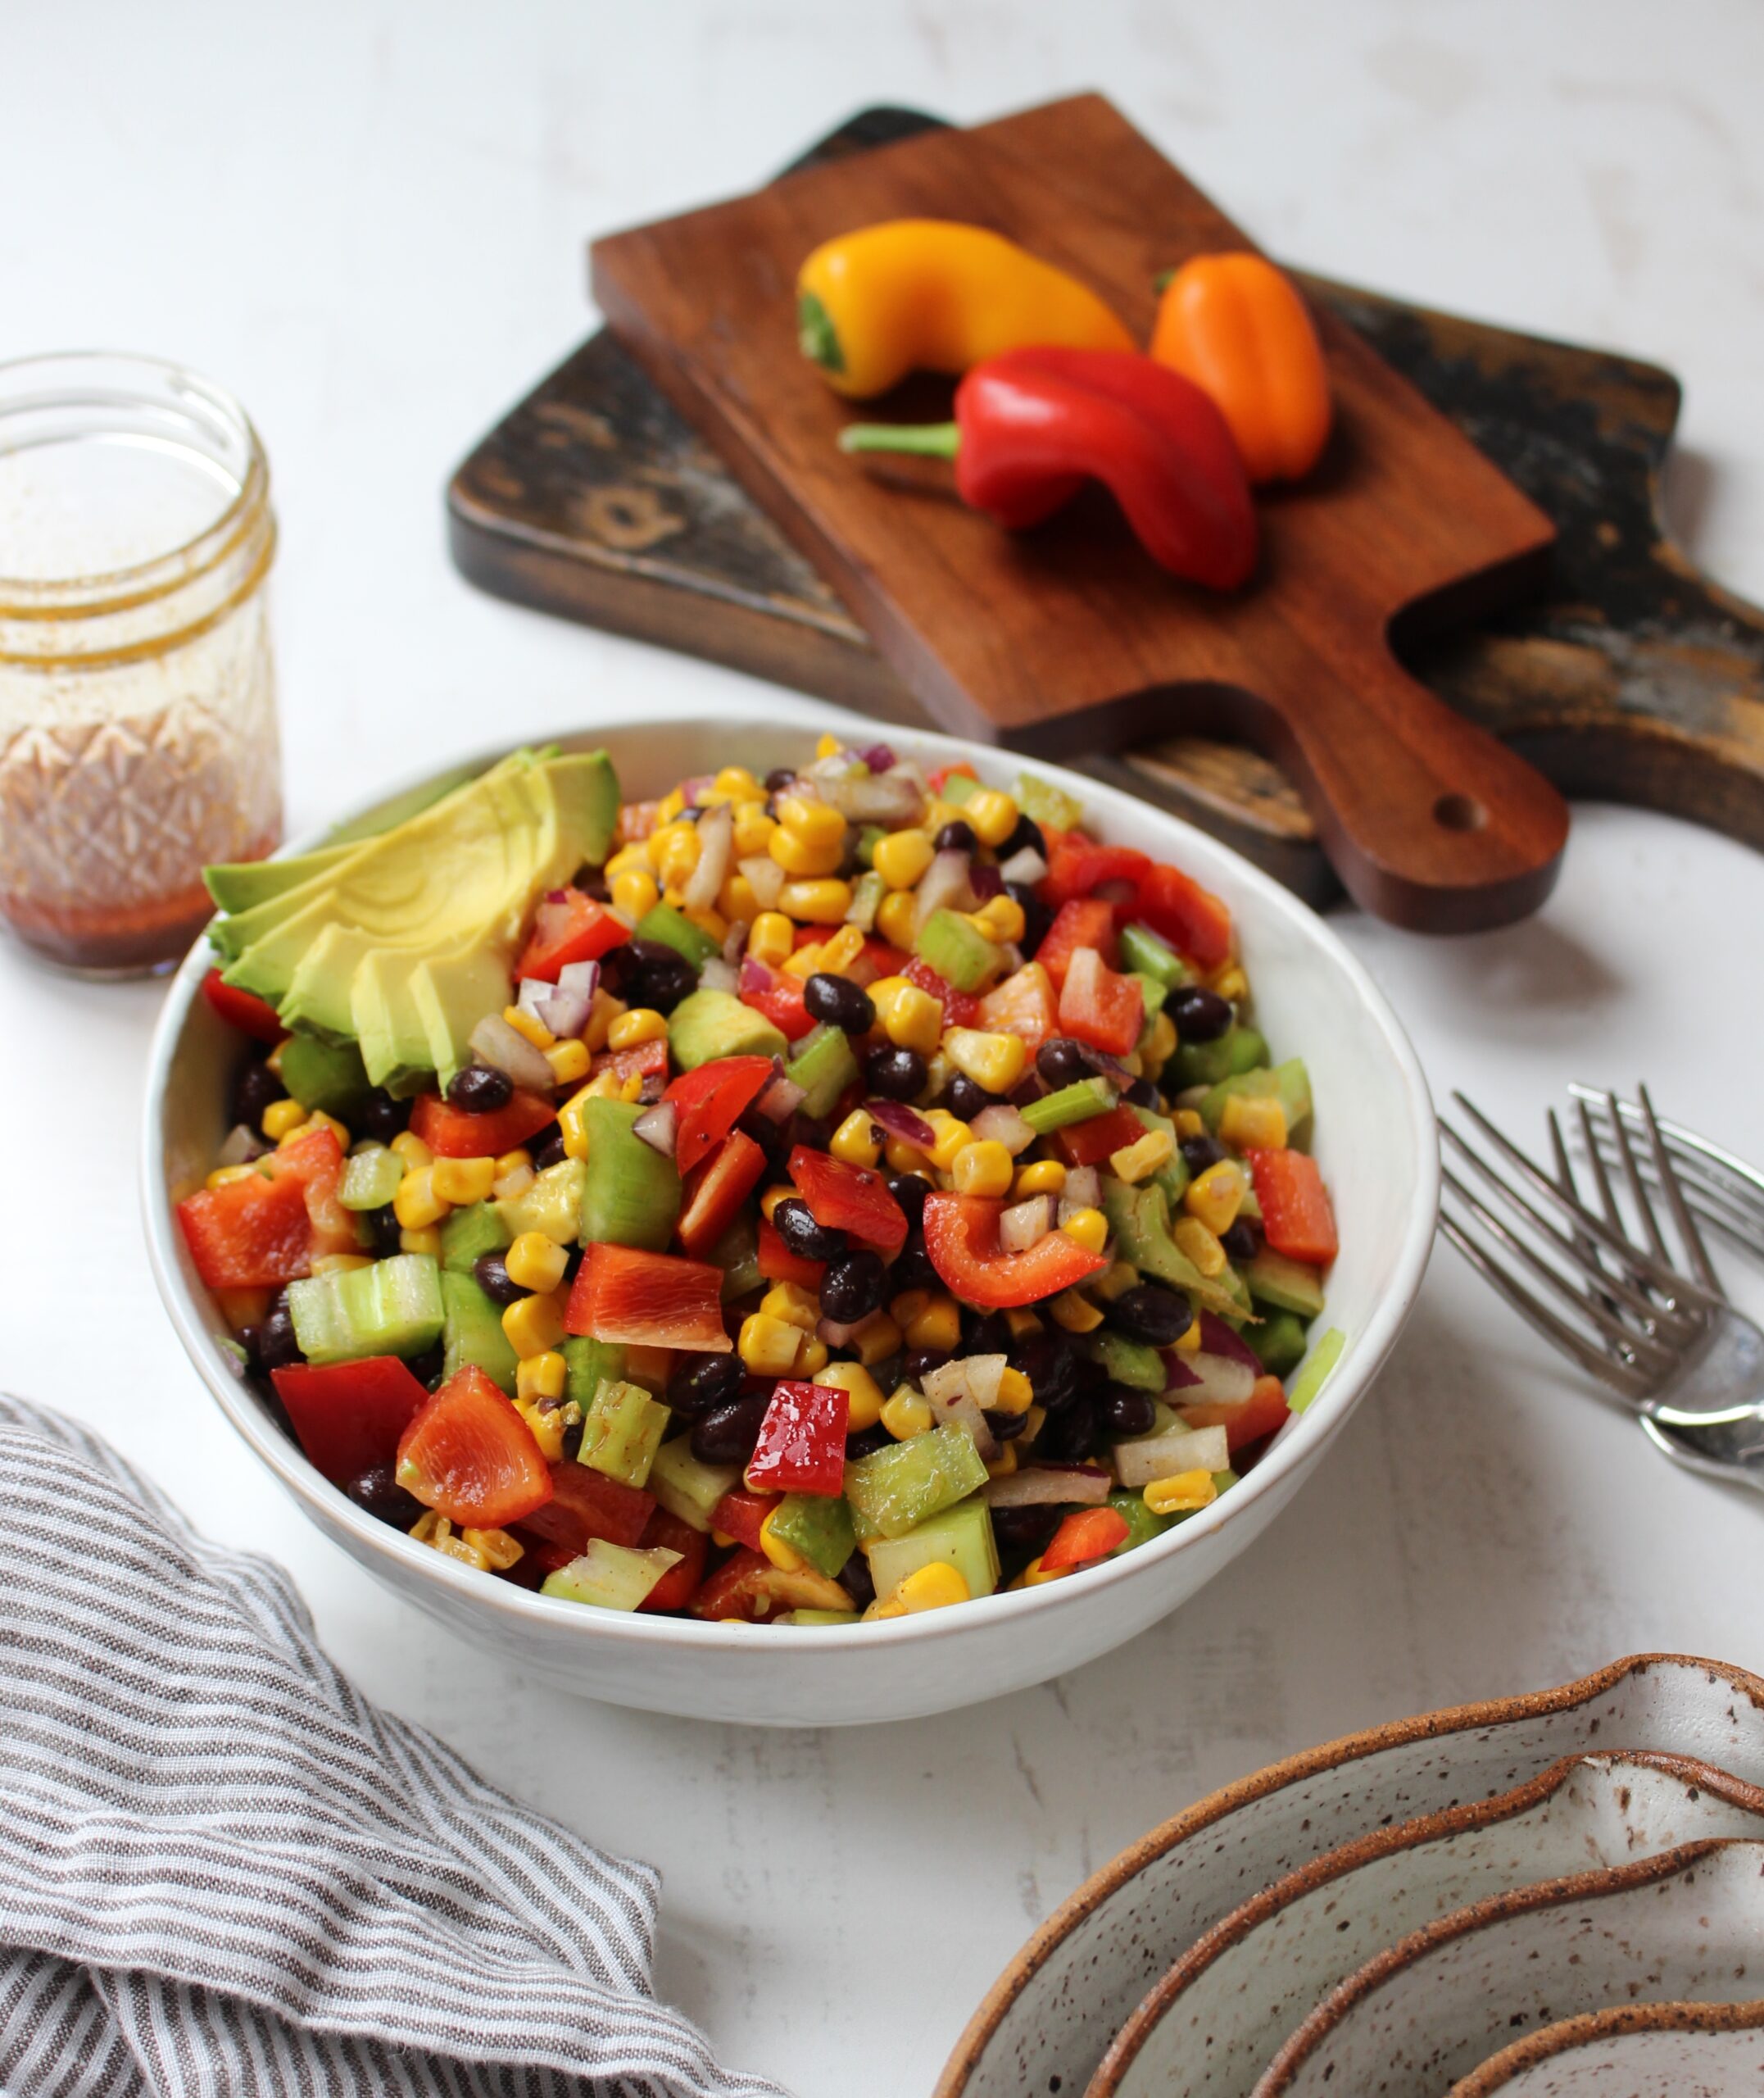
[{"x": 1237, "y": 327}]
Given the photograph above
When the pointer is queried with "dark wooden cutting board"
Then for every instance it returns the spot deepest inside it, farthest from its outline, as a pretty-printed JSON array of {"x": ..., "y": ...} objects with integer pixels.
[{"x": 1630, "y": 678}]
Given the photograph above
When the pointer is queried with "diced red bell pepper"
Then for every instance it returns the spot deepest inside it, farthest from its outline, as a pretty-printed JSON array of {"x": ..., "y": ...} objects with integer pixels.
[
  {"x": 677, "y": 1587},
  {"x": 849, "y": 1198},
  {"x": 711, "y": 1101},
  {"x": 778, "y": 1263},
  {"x": 936, "y": 780},
  {"x": 1077, "y": 867},
  {"x": 1087, "y": 923},
  {"x": 740, "y": 1514},
  {"x": 1296, "y": 1215},
  {"x": 716, "y": 1191},
  {"x": 587, "y": 1504},
  {"x": 801, "y": 1447},
  {"x": 568, "y": 927},
  {"x": 961, "y": 1237},
  {"x": 1193, "y": 919},
  {"x": 1093, "y": 1142},
  {"x": 1087, "y": 1534},
  {"x": 885, "y": 959},
  {"x": 1100, "y": 1006},
  {"x": 316, "y": 1162},
  {"x": 748, "y": 1587},
  {"x": 1257, "y": 1417},
  {"x": 468, "y": 1454},
  {"x": 263, "y": 1230},
  {"x": 960, "y": 1008},
  {"x": 348, "y": 1416},
  {"x": 244, "y": 1009},
  {"x": 622, "y": 1293},
  {"x": 1022, "y": 1004},
  {"x": 642, "y": 1060},
  {"x": 778, "y": 996},
  {"x": 450, "y": 1132}
]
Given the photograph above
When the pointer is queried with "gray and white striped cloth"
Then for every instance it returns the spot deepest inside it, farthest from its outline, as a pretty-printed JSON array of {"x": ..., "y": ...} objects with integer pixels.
[{"x": 223, "y": 1872}]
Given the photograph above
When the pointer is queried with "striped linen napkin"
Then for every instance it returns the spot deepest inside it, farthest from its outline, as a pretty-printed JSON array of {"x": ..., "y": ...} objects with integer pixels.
[{"x": 222, "y": 1871}]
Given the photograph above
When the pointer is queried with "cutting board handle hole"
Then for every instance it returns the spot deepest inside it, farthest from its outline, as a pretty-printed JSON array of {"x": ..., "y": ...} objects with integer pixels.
[{"x": 1459, "y": 812}]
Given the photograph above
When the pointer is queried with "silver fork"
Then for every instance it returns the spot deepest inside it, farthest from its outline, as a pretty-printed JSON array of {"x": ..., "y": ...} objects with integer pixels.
[{"x": 1667, "y": 1344}]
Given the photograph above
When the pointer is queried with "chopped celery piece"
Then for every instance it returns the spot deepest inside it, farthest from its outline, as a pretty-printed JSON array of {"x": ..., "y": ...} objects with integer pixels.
[
  {"x": 896, "y": 1490},
  {"x": 1140, "y": 1219},
  {"x": 1279, "y": 1344},
  {"x": 961, "y": 953},
  {"x": 587, "y": 1364},
  {"x": 818, "y": 1525},
  {"x": 1239, "y": 1048},
  {"x": 630, "y": 1193},
  {"x": 867, "y": 894},
  {"x": 468, "y": 1234},
  {"x": 1142, "y": 1525},
  {"x": 1287, "y": 1285},
  {"x": 1315, "y": 1374},
  {"x": 736, "y": 1252},
  {"x": 1042, "y": 801},
  {"x": 688, "y": 1488},
  {"x": 370, "y": 1178},
  {"x": 868, "y": 838},
  {"x": 959, "y": 1537},
  {"x": 1128, "y": 1362},
  {"x": 1071, "y": 1103},
  {"x": 622, "y": 1431},
  {"x": 611, "y": 1576},
  {"x": 1290, "y": 1083},
  {"x": 472, "y": 1332},
  {"x": 673, "y": 929},
  {"x": 824, "y": 1066},
  {"x": 1151, "y": 1003},
  {"x": 1147, "y": 955},
  {"x": 551, "y": 1204},
  {"x": 1173, "y": 1175},
  {"x": 392, "y": 1307}
]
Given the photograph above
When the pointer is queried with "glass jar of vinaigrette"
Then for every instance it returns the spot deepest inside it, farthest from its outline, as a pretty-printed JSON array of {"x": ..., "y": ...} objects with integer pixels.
[{"x": 137, "y": 728}]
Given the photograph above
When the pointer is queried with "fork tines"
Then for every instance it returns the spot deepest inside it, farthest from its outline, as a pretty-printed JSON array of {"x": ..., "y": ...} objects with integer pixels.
[{"x": 1723, "y": 1190}]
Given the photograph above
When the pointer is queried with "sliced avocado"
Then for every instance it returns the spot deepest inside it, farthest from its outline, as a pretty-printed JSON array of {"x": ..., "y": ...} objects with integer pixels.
[
  {"x": 552, "y": 1204},
  {"x": 450, "y": 994},
  {"x": 472, "y": 1332},
  {"x": 707, "y": 1024},
  {"x": 1140, "y": 1219},
  {"x": 323, "y": 1077},
  {"x": 630, "y": 1193},
  {"x": 1286, "y": 1285},
  {"x": 1290, "y": 1083},
  {"x": 959, "y": 1537},
  {"x": 242, "y": 884}
]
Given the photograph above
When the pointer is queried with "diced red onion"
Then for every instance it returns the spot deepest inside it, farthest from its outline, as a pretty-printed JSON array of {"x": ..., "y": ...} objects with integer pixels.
[
  {"x": 765, "y": 877},
  {"x": 1025, "y": 865},
  {"x": 659, "y": 1126},
  {"x": 691, "y": 789},
  {"x": 242, "y": 1144},
  {"x": 780, "y": 1100},
  {"x": 1219, "y": 1338},
  {"x": 986, "y": 1373},
  {"x": 985, "y": 882},
  {"x": 557, "y": 896},
  {"x": 895, "y": 798},
  {"x": 1176, "y": 1450},
  {"x": 717, "y": 974},
  {"x": 962, "y": 1410},
  {"x": 1048, "y": 1486},
  {"x": 561, "y": 1007},
  {"x": 735, "y": 947},
  {"x": 942, "y": 886},
  {"x": 1025, "y": 1224},
  {"x": 1083, "y": 1189},
  {"x": 899, "y": 1120},
  {"x": 716, "y": 845},
  {"x": 1223, "y": 1381},
  {"x": 1002, "y": 1124},
  {"x": 495, "y": 1042},
  {"x": 878, "y": 757},
  {"x": 1177, "y": 1376}
]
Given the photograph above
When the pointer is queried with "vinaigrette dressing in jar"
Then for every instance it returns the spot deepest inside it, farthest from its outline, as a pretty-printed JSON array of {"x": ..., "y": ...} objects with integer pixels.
[{"x": 138, "y": 730}]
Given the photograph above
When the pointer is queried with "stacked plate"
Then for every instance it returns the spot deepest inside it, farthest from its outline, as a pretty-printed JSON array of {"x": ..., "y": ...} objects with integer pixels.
[{"x": 1558, "y": 1894}]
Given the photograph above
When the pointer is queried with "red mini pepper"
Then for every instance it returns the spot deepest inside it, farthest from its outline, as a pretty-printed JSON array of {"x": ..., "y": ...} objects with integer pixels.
[{"x": 1032, "y": 425}]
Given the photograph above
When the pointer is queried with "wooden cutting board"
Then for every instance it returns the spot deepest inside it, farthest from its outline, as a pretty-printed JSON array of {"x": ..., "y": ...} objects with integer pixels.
[{"x": 1068, "y": 640}]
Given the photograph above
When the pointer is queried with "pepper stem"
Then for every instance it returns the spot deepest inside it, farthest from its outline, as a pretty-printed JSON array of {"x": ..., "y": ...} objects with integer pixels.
[{"x": 933, "y": 440}]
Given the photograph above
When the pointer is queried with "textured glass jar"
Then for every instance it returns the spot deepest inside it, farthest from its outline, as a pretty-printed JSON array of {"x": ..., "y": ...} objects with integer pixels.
[{"x": 138, "y": 731}]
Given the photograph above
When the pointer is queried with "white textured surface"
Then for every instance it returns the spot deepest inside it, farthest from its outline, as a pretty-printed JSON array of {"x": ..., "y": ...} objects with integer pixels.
[{"x": 368, "y": 221}]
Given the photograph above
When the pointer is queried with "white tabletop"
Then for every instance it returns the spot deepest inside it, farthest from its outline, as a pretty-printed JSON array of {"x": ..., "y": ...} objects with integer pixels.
[{"x": 368, "y": 219}]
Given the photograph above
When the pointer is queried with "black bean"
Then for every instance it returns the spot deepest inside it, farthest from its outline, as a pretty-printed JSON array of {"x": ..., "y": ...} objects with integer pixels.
[
  {"x": 1046, "y": 1358},
  {"x": 1062, "y": 1061},
  {"x": 660, "y": 976},
  {"x": 711, "y": 1380},
  {"x": 852, "y": 1287},
  {"x": 854, "y": 1577},
  {"x": 1199, "y": 1153},
  {"x": 1069, "y": 1436},
  {"x": 549, "y": 1152},
  {"x": 385, "y": 1233},
  {"x": 480, "y": 1089},
  {"x": 277, "y": 1347},
  {"x": 1200, "y": 1014},
  {"x": 428, "y": 1366},
  {"x": 1026, "y": 1530},
  {"x": 1026, "y": 838},
  {"x": 378, "y": 1491},
  {"x": 591, "y": 881},
  {"x": 956, "y": 837},
  {"x": 895, "y": 1074},
  {"x": 917, "y": 1364},
  {"x": 1243, "y": 1241},
  {"x": 1006, "y": 1426},
  {"x": 380, "y": 1118},
  {"x": 728, "y": 1435},
  {"x": 493, "y": 1279},
  {"x": 1122, "y": 1410},
  {"x": 1151, "y": 1313},
  {"x": 255, "y": 1088},
  {"x": 794, "y": 1222},
  {"x": 913, "y": 1269},
  {"x": 840, "y": 1002},
  {"x": 964, "y": 1099},
  {"x": 1142, "y": 1093},
  {"x": 988, "y": 1334},
  {"x": 1036, "y": 917},
  {"x": 778, "y": 778},
  {"x": 909, "y": 1190},
  {"x": 866, "y": 1442}
]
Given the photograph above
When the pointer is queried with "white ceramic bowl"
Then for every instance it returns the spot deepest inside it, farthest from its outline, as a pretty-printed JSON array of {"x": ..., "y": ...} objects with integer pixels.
[{"x": 1375, "y": 1140}]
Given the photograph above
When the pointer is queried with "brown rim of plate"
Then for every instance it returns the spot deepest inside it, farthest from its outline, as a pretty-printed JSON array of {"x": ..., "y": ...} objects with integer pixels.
[
  {"x": 1617, "y": 2023},
  {"x": 969, "y": 2049},
  {"x": 1567, "y": 1893},
  {"x": 1231, "y": 1930}
]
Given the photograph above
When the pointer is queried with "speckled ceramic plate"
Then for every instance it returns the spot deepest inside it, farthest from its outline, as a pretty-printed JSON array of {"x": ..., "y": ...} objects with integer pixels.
[
  {"x": 1640, "y": 2051},
  {"x": 1215, "y": 2021},
  {"x": 1046, "y": 2023},
  {"x": 1685, "y": 1927}
]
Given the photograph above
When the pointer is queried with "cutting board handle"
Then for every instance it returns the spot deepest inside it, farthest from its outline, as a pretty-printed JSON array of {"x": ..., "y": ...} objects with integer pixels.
[{"x": 1429, "y": 820}]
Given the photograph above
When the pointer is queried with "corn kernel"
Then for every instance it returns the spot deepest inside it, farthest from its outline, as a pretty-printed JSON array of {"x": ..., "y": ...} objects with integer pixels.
[
  {"x": 901, "y": 1157},
  {"x": 859, "y": 1387},
  {"x": 1000, "y": 917},
  {"x": 1139, "y": 1161},
  {"x": 767, "y": 1346},
  {"x": 771, "y": 937},
  {"x": 902, "y": 856},
  {"x": 601, "y": 1013},
  {"x": 673, "y": 851},
  {"x": 1217, "y": 1195},
  {"x": 1034, "y": 1575},
  {"x": 804, "y": 858},
  {"x": 426, "y": 1240},
  {"x": 635, "y": 893},
  {"x": 339, "y": 1264},
  {"x": 1254, "y": 1125},
  {"x": 737, "y": 900},
  {"x": 570, "y": 1125},
  {"x": 1045, "y": 1176},
  {"x": 1021, "y": 1322},
  {"x": 934, "y": 1586},
  {"x": 910, "y": 1017},
  {"x": 535, "y": 1262},
  {"x": 896, "y": 918},
  {"x": 982, "y": 1168},
  {"x": 279, "y": 1117},
  {"x": 711, "y": 923},
  {"x": 1089, "y": 1226},
  {"x": 952, "y": 1135},
  {"x": 462, "y": 1179},
  {"x": 909, "y": 1304},
  {"x": 815, "y": 902},
  {"x": 628, "y": 859},
  {"x": 818, "y": 821},
  {"x": 223, "y": 1176},
  {"x": 569, "y": 1061},
  {"x": 670, "y": 807},
  {"x": 532, "y": 1325},
  {"x": 272, "y": 1061},
  {"x": 738, "y": 784},
  {"x": 1075, "y": 1313},
  {"x": 857, "y": 1141},
  {"x": 827, "y": 745},
  {"x": 542, "y": 1376},
  {"x": 1199, "y": 1244},
  {"x": 1231, "y": 983},
  {"x": 1161, "y": 1047},
  {"x": 242, "y": 1307},
  {"x": 938, "y": 1325},
  {"x": 793, "y": 1304},
  {"x": 806, "y": 961},
  {"x": 1188, "y": 1123},
  {"x": 631, "y": 1029},
  {"x": 1015, "y": 1393},
  {"x": 785, "y": 1557},
  {"x": 995, "y": 1062},
  {"x": 783, "y": 1192},
  {"x": 416, "y": 1204},
  {"x": 990, "y": 815},
  {"x": 1115, "y": 1280},
  {"x": 1188, "y": 1343},
  {"x": 1005, "y": 1463},
  {"x": 753, "y": 829},
  {"x": 519, "y": 1160},
  {"x": 837, "y": 954},
  {"x": 876, "y": 1339},
  {"x": 1180, "y": 1493},
  {"x": 906, "y": 1415},
  {"x": 811, "y": 1357},
  {"x": 545, "y": 1422},
  {"x": 529, "y": 1027}
]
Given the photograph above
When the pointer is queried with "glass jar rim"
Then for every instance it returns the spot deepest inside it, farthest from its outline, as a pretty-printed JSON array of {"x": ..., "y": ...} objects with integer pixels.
[{"x": 76, "y": 379}]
